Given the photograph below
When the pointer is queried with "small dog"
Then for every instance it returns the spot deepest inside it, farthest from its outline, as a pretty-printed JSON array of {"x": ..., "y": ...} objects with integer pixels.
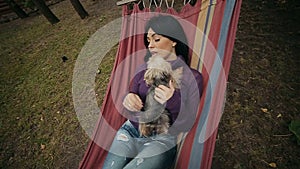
[{"x": 155, "y": 118}]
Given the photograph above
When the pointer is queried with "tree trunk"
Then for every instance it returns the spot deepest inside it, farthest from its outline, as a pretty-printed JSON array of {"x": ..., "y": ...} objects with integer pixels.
[
  {"x": 79, "y": 8},
  {"x": 16, "y": 8},
  {"x": 41, "y": 5}
]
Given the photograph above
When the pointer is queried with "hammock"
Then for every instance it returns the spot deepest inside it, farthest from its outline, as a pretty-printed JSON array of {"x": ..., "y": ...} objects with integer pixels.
[{"x": 211, "y": 35}]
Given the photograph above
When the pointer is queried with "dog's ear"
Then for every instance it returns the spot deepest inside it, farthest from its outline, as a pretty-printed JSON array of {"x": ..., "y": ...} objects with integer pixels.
[
  {"x": 148, "y": 77},
  {"x": 165, "y": 78},
  {"x": 176, "y": 77}
]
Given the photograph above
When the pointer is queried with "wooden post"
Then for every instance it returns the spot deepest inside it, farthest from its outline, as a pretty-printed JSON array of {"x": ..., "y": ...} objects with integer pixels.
[
  {"x": 41, "y": 5},
  {"x": 123, "y": 2},
  {"x": 79, "y": 8},
  {"x": 16, "y": 8}
]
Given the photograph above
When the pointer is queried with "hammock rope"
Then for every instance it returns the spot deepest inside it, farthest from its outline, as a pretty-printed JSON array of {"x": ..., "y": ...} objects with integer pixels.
[
  {"x": 167, "y": 4},
  {"x": 184, "y": 2}
]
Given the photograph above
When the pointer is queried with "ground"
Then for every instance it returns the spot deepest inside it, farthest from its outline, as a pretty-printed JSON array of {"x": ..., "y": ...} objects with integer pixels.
[
  {"x": 263, "y": 82},
  {"x": 39, "y": 127}
]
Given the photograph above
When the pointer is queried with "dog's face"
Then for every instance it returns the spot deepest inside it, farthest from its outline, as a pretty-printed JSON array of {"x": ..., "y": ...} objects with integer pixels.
[
  {"x": 159, "y": 72},
  {"x": 155, "y": 77}
]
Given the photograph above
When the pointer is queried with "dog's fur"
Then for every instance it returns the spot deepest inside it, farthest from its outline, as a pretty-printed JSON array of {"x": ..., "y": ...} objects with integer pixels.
[{"x": 155, "y": 118}]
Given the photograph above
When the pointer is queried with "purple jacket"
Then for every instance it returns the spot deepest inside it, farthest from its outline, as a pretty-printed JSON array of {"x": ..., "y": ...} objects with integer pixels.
[{"x": 183, "y": 105}]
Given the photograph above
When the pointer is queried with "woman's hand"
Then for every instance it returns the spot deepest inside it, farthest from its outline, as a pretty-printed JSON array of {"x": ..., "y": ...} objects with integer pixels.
[
  {"x": 164, "y": 93},
  {"x": 132, "y": 102}
]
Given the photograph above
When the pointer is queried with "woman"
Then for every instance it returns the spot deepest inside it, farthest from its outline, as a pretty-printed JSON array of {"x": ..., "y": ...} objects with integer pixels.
[{"x": 164, "y": 38}]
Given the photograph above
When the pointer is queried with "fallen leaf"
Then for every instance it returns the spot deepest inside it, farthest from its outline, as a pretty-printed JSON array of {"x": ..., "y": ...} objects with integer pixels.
[
  {"x": 273, "y": 165},
  {"x": 264, "y": 110},
  {"x": 99, "y": 71},
  {"x": 43, "y": 146}
]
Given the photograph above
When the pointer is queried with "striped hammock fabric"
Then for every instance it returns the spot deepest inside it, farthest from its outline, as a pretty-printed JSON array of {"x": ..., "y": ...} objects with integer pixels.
[{"x": 210, "y": 26}]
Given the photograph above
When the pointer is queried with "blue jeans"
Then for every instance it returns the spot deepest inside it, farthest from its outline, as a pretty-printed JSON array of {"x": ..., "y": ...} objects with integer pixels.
[{"x": 130, "y": 151}]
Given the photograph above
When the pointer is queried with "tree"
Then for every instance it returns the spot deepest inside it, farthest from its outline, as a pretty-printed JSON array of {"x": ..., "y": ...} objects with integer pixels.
[
  {"x": 41, "y": 5},
  {"x": 79, "y": 8},
  {"x": 16, "y": 8}
]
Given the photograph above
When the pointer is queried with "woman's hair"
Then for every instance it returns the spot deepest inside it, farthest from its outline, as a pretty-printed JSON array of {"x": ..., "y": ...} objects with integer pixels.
[{"x": 170, "y": 28}]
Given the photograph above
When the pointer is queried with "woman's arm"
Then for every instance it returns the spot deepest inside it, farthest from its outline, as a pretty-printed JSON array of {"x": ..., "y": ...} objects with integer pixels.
[{"x": 132, "y": 101}]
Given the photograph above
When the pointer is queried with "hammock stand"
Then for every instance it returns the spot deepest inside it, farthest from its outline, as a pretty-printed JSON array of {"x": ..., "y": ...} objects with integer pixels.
[{"x": 212, "y": 49}]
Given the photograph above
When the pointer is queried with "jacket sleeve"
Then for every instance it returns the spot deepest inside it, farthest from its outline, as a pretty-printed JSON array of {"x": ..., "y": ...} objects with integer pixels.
[{"x": 190, "y": 99}]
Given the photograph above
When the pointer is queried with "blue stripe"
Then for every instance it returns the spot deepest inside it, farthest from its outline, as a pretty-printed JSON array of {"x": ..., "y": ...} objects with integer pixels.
[
  {"x": 225, "y": 27},
  {"x": 198, "y": 145}
]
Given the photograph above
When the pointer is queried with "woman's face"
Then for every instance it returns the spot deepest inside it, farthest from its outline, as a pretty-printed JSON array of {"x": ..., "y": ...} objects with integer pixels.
[{"x": 161, "y": 46}]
